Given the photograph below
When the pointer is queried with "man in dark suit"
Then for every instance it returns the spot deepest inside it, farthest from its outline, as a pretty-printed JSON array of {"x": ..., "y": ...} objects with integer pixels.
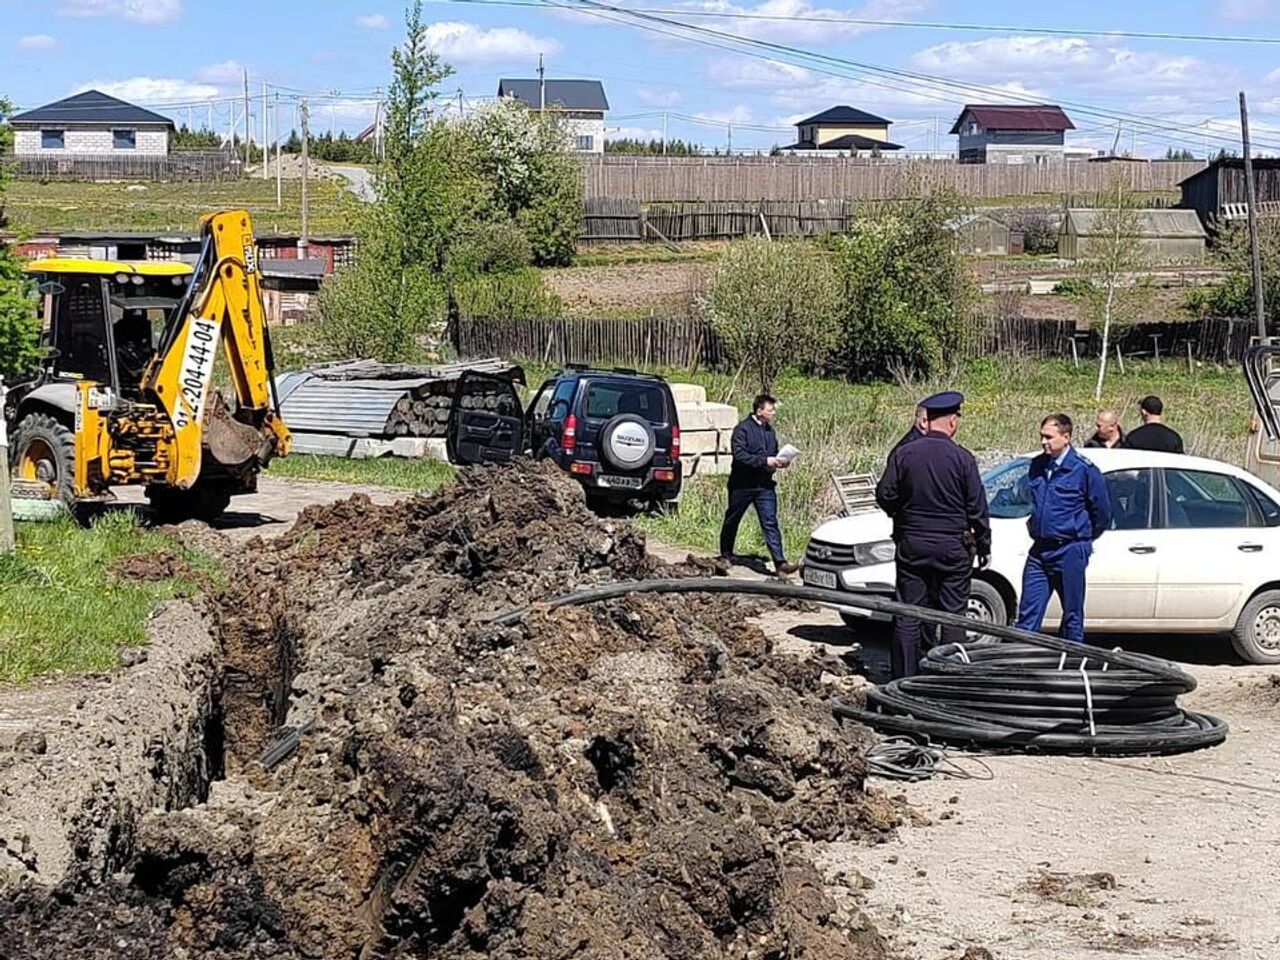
[
  {"x": 751, "y": 482},
  {"x": 933, "y": 492}
]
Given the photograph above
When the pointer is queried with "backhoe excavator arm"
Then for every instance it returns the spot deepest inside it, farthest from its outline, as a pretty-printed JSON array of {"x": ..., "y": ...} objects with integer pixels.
[{"x": 224, "y": 303}]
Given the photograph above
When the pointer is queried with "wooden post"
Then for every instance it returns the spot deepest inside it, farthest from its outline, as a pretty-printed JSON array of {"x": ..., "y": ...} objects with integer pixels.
[
  {"x": 1155, "y": 346},
  {"x": 1191, "y": 367},
  {"x": 1251, "y": 194},
  {"x": 1075, "y": 354},
  {"x": 6, "y": 506},
  {"x": 302, "y": 243},
  {"x": 1119, "y": 358},
  {"x": 246, "y": 122}
]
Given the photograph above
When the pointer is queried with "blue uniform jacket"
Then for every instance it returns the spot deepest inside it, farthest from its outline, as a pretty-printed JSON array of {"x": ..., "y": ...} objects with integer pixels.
[
  {"x": 1071, "y": 505},
  {"x": 932, "y": 491},
  {"x": 753, "y": 444}
]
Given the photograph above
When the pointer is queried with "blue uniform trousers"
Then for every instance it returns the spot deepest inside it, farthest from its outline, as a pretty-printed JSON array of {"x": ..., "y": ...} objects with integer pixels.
[
  {"x": 935, "y": 574},
  {"x": 1056, "y": 569},
  {"x": 765, "y": 500}
]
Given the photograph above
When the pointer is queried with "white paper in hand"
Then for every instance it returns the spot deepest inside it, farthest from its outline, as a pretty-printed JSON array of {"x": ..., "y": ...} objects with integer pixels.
[{"x": 788, "y": 453}]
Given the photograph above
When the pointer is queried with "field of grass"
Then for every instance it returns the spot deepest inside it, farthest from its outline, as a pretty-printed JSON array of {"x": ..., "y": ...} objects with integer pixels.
[
  {"x": 421, "y": 475},
  {"x": 61, "y": 612},
  {"x": 34, "y": 207}
]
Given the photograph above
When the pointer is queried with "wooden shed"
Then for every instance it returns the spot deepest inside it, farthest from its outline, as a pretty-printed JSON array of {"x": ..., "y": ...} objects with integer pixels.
[
  {"x": 1218, "y": 193},
  {"x": 1166, "y": 236}
]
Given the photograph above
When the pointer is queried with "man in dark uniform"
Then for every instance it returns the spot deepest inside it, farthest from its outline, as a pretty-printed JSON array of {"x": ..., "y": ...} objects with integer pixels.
[
  {"x": 932, "y": 491},
  {"x": 919, "y": 427}
]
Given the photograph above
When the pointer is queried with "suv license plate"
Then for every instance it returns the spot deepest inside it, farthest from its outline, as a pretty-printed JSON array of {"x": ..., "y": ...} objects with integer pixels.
[
  {"x": 626, "y": 483},
  {"x": 820, "y": 578}
]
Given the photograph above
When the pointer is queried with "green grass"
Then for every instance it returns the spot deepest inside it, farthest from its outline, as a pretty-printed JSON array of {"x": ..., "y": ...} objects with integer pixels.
[
  {"x": 35, "y": 207},
  {"x": 61, "y": 612},
  {"x": 421, "y": 475},
  {"x": 845, "y": 427}
]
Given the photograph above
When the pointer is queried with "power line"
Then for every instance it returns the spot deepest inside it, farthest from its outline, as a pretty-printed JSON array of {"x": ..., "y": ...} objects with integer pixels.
[
  {"x": 917, "y": 24},
  {"x": 912, "y": 82}
]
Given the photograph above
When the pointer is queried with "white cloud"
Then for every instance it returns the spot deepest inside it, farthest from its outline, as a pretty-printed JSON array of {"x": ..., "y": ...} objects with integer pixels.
[
  {"x": 459, "y": 42},
  {"x": 372, "y": 21},
  {"x": 1071, "y": 63},
  {"x": 148, "y": 12},
  {"x": 741, "y": 73},
  {"x": 739, "y": 114},
  {"x": 228, "y": 71},
  {"x": 153, "y": 90},
  {"x": 658, "y": 98},
  {"x": 1244, "y": 9},
  {"x": 37, "y": 41}
]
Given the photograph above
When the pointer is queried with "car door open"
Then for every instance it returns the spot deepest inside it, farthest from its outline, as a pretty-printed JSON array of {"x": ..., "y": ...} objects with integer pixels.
[{"x": 486, "y": 422}]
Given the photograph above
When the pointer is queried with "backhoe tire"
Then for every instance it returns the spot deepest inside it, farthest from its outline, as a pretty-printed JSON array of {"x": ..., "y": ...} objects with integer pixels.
[
  {"x": 206, "y": 501},
  {"x": 44, "y": 450}
]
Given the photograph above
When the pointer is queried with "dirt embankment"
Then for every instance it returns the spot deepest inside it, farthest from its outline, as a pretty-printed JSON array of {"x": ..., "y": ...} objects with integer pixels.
[{"x": 640, "y": 779}]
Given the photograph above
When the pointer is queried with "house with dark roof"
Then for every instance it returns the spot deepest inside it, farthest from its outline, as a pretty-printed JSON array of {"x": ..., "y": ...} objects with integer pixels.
[
  {"x": 1011, "y": 133},
  {"x": 90, "y": 124},
  {"x": 579, "y": 106},
  {"x": 843, "y": 129}
]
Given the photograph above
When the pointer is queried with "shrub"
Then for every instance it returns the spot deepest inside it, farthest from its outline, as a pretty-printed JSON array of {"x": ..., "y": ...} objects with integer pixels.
[
  {"x": 19, "y": 328},
  {"x": 490, "y": 248},
  {"x": 514, "y": 295},
  {"x": 381, "y": 311},
  {"x": 774, "y": 306},
  {"x": 907, "y": 298},
  {"x": 1039, "y": 235}
]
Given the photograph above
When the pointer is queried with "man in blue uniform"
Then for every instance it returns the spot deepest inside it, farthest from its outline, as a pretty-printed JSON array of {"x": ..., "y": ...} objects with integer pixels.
[
  {"x": 919, "y": 427},
  {"x": 932, "y": 491},
  {"x": 1070, "y": 509},
  {"x": 751, "y": 483}
]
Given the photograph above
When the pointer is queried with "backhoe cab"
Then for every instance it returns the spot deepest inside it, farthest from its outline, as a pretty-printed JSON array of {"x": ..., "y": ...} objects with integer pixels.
[{"x": 124, "y": 393}]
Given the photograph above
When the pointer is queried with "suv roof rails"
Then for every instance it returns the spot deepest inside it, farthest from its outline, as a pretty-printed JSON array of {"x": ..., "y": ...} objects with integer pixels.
[{"x": 620, "y": 371}]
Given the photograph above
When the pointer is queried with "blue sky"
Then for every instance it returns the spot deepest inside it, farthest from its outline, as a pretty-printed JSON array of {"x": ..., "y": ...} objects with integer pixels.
[{"x": 186, "y": 58}]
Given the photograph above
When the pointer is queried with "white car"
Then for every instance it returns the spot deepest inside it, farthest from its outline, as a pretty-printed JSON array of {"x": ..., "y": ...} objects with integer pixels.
[{"x": 1194, "y": 548}]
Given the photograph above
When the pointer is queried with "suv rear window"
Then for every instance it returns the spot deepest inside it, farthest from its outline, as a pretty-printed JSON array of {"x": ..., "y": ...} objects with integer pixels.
[{"x": 605, "y": 400}]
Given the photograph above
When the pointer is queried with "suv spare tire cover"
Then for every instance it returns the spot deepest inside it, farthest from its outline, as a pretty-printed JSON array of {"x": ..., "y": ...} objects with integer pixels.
[{"x": 627, "y": 442}]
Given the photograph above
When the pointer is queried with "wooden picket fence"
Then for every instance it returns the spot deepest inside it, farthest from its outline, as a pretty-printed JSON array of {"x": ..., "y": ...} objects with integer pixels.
[
  {"x": 1213, "y": 340},
  {"x": 685, "y": 343}
]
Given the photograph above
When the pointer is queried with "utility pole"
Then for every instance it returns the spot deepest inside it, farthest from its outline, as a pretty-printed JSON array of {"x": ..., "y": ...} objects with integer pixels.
[
  {"x": 542, "y": 86},
  {"x": 664, "y": 133},
  {"x": 302, "y": 243},
  {"x": 729, "y": 127},
  {"x": 246, "y": 121},
  {"x": 6, "y": 504},
  {"x": 266, "y": 153},
  {"x": 279, "y": 174},
  {"x": 1251, "y": 194}
]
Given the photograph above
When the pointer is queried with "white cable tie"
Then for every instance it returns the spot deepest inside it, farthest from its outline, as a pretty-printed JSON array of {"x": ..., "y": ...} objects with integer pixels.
[
  {"x": 1088, "y": 697},
  {"x": 964, "y": 654}
]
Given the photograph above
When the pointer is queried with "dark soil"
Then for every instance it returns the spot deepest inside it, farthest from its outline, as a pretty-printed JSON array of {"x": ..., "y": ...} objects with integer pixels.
[
  {"x": 150, "y": 567},
  {"x": 644, "y": 778}
]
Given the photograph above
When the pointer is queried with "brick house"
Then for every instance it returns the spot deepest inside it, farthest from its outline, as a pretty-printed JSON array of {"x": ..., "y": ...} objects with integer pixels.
[
  {"x": 1004, "y": 133},
  {"x": 90, "y": 124}
]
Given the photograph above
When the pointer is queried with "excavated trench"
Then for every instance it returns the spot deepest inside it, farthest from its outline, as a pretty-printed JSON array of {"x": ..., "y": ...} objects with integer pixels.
[{"x": 646, "y": 778}]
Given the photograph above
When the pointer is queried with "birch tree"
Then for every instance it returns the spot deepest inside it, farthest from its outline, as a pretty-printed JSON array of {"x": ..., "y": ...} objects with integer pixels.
[{"x": 1111, "y": 296}]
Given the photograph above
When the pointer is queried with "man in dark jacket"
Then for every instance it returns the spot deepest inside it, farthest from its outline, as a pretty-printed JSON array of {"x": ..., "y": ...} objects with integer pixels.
[
  {"x": 1109, "y": 433},
  {"x": 919, "y": 427},
  {"x": 1153, "y": 434},
  {"x": 932, "y": 491},
  {"x": 751, "y": 483},
  {"x": 1070, "y": 508}
]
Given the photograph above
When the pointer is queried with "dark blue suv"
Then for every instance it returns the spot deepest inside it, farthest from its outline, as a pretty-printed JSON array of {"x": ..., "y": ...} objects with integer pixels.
[{"x": 616, "y": 430}]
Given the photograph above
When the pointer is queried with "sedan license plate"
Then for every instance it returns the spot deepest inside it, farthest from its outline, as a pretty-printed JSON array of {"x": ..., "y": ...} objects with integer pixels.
[
  {"x": 625, "y": 483},
  {"x": 820, "y": 578}
]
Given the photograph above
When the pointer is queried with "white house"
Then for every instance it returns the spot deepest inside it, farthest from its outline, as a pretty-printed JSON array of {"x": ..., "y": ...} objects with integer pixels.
[
  {"x": 580, "y": 105},
  {"x": 90, "y": 124}
]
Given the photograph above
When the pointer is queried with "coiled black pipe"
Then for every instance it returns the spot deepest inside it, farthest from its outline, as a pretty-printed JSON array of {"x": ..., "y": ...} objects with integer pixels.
[{"x": 1034, "y": 693}]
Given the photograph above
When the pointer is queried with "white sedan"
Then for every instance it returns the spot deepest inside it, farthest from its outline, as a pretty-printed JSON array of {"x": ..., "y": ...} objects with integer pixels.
[{"x": 1194, "y": 548}]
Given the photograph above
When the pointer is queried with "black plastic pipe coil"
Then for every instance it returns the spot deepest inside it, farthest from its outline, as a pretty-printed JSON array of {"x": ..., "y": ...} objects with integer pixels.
[{"x": 1031, "y": 693}]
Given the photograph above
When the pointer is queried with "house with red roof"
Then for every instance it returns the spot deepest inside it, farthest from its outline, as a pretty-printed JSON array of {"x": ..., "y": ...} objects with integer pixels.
[{"x": 1011, "y": 133}]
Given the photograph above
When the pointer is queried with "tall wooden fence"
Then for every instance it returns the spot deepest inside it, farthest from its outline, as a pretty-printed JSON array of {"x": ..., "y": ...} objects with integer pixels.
[
  {"x": 177, "y": 165},
  {"x": 607, "y": 220},
  {"x": 689, "y": 343},
  {"x": 652, "y": 341},
  {"x": 651, "y": 179}
]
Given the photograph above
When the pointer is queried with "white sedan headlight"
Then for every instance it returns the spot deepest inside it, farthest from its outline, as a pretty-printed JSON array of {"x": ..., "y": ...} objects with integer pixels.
[{"x": 880, "y": 551}]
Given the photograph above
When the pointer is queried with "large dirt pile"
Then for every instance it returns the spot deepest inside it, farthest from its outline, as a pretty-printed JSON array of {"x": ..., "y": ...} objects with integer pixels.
[{"x": 640, "y": 779}]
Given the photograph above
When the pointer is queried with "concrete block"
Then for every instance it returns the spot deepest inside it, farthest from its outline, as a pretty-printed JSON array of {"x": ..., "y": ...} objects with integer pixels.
[
  {"x": 688, "y": 393},
  {"x": 362, "y": 448},
  {"x": 705, "y": 441},
  {"x": 707, "y": 416},
  {"x": 705, "y": 465}
]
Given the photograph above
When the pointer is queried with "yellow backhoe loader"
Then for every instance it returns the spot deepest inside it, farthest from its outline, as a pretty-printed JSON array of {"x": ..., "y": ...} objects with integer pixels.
[{"x": 124, "y": 395}]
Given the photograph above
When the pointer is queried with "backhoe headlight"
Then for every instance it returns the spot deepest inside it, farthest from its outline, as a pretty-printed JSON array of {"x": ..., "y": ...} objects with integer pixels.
[
  {"x": 878, "y": 551},
  {"x": 122, "y": 278},
  {"x": 137, "y": 279}
]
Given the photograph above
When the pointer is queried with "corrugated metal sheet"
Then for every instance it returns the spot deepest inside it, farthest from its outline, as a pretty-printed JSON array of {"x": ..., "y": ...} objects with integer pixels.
[{"x": 310, "y": 404}]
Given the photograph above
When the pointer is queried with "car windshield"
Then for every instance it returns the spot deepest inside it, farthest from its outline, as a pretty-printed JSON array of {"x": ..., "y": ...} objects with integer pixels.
[
  {"x": 605, "y": 400},
  {"x": 1008, "y": 495}
]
